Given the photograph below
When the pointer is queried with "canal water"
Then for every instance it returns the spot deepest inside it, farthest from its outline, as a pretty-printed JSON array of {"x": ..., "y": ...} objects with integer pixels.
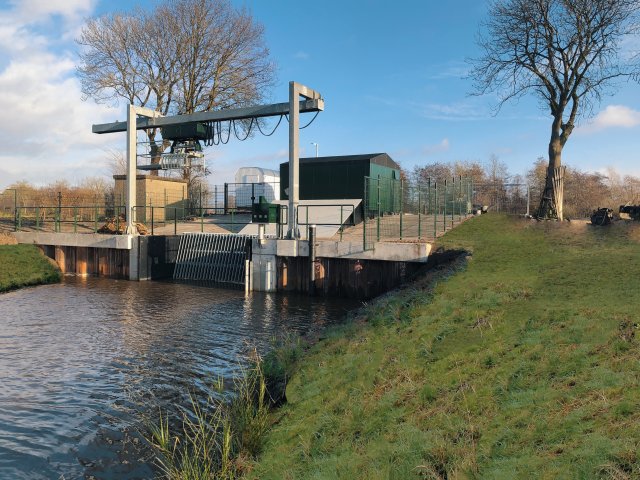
[{"x": 82, "y": 363}]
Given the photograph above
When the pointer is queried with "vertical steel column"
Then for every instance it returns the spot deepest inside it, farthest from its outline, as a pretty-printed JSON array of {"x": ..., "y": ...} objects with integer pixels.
[
  {"x": 130, "y": 188},
  {"x": 294, "y": 161}
]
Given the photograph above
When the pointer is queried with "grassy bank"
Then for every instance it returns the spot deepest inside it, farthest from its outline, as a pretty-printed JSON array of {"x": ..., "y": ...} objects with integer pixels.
[
  {"x": 25, "y": 265},
  {"x": 524, "y": 364}
]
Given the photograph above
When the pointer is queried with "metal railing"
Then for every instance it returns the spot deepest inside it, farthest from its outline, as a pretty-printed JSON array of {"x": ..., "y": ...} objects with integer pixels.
[
  {"x": 347, "y": 217},
  {"x": 66, "y": 219},
  {"x": 509, "y": 198},
  {"x": 398, "y": 210}
]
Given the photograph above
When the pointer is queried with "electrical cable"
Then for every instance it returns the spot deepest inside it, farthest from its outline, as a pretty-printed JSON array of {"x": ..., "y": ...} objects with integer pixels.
[
  {"x": 228, "y": 133},
  {"x": 314, "y": 117},
  {"x": 248, "y": 130},
  {"x": 272, "y": 131},
  {"x": 301, "y": 128}
]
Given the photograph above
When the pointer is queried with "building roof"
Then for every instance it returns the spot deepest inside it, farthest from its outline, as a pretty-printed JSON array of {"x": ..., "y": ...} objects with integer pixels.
[{"x": 377, "y": 158}]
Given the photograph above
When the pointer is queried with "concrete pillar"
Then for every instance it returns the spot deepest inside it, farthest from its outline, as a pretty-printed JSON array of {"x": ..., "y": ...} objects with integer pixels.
[
  {"x": 130, "y": 187},
  {"x": 294, "y": 157},
  {"x": 134, "y": 257}
]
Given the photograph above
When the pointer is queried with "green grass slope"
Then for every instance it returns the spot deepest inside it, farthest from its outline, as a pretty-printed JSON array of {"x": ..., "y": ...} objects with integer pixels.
[
  {"x": 24, "y": 265},
  {"x": 524, "y": 364}
]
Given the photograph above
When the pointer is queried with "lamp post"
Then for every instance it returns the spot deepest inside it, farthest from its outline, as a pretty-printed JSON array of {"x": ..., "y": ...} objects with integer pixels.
[{"x": 316, "y": 144}]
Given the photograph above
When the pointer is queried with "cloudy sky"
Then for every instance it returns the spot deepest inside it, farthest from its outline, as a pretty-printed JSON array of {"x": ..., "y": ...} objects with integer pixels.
[{"x": 392, "y": 75}]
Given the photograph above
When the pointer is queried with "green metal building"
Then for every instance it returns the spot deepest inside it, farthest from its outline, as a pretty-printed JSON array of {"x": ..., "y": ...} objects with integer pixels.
[{"x": 330, "y": 178}]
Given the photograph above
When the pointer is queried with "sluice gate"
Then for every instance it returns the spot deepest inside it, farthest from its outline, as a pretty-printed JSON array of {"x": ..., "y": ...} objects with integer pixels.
[{"x": 213, "y": 257}]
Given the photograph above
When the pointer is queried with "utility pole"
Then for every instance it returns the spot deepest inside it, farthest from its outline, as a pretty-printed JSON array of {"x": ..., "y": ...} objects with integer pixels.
[{"x": 316, "y": 144}]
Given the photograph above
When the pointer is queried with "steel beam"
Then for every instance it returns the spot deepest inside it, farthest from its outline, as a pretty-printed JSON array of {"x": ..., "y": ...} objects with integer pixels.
[{"x": 314, "y": 104}]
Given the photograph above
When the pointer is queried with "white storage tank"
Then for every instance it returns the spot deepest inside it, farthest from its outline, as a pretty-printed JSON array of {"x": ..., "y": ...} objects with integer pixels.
[{"x": 256, "y": 182}]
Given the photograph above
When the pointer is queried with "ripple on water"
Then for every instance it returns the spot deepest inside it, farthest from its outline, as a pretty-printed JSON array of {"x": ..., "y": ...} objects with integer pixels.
[{"x": 84, "y": 361}]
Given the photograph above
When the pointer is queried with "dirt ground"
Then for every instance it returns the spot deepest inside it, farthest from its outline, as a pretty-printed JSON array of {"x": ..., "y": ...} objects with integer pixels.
[{"x": 6, "y": 239}]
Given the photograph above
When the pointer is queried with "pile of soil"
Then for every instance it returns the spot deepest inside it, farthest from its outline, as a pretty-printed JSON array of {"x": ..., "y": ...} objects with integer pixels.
[{"x": 116, "y": 226}]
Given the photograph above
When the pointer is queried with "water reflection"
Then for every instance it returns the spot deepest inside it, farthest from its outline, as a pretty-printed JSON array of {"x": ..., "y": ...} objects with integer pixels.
[{"x": 80, "y": 362}]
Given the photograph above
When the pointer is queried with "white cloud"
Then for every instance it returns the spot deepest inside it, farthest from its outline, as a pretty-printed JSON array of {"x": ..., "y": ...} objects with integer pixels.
[
  {"x": 301, "y": 55},
  {"x": 45, "y": 127},
  {"x": 463, "y": 110},
  {"x": 613, "y": 116},
  {"x": 36, "y": 10},
  {"x": 443, "y": 146}
]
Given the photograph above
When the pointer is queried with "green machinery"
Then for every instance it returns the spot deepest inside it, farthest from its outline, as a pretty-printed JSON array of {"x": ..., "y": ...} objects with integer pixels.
[{"x": 265, "y": 212}]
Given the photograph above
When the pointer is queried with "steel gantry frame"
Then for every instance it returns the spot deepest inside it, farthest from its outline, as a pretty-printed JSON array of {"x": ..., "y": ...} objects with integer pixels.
[{"x": 145, "y": 118}]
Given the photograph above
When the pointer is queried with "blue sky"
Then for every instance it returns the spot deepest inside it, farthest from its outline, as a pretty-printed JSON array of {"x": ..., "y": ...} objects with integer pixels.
[{"x": 391, "y": 74}]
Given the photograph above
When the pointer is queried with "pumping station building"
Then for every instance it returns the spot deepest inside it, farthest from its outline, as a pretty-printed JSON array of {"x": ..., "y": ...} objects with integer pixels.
[{"x": 341, "y": 225}]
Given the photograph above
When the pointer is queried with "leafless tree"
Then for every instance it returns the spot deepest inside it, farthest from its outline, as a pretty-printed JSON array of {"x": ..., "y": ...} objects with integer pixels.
[
  {"x": 182, "y": 57},
  {"x": 566, "y": 52}
]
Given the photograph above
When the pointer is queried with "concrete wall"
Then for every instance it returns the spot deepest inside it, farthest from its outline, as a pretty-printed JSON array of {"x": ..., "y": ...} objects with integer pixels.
[
  {"x": 340, "y": 277},
  {"x": 102, "y": 262}
]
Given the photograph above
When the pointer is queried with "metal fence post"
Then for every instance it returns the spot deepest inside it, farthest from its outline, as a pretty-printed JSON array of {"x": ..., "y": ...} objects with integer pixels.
[
  {"x": 365, "y": 212},
  {"x": 419, "y": 212},
  {"x": 378, "y": 228},
  {"x": 152, "y": 219},
  {"x": 444, "y": 206},
  {"x": 435, "y": 210},
  {"x": 37, "y": 218},
  {"x": 175, "y": 220},
  {"x": 59, "y": 211},
  {"x": 232, "y": 220},
  {"x": 226, "y": 198},
  {"x": 453, "y": 200},
  {"x": 15, "y": 209},
  {"x": 401, "y": 205},
  {"x": 459, "y": 197}
]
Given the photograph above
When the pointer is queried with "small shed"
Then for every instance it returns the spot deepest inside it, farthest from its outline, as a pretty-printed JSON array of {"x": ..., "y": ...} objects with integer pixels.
[
  {"x": 330, "y": 178},
  {"x": 168, "y": 196}
]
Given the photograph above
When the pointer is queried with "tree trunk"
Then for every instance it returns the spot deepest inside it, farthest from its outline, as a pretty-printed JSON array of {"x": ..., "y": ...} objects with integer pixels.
[
  {"x": 155, "y": 151},
  {"x": 551, "y": 201}
]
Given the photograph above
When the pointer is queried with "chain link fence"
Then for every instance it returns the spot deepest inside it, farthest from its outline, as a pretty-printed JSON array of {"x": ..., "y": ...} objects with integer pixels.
[
  {"x": 508, "y": 198},
  {"x": 400, "y": 211}
]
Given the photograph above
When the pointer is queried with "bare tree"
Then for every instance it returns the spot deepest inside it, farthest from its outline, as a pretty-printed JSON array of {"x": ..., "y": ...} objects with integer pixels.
[
  {"x": 566, "y": 52},
  {"x": 182, "y": 57}
]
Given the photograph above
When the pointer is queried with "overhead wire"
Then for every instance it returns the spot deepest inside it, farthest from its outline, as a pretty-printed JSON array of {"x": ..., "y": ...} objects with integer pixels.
[
  {"x": 272, "y": 131},
  {"x": 214, "y": 130},
  {"x": 248, "y": 130}
]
